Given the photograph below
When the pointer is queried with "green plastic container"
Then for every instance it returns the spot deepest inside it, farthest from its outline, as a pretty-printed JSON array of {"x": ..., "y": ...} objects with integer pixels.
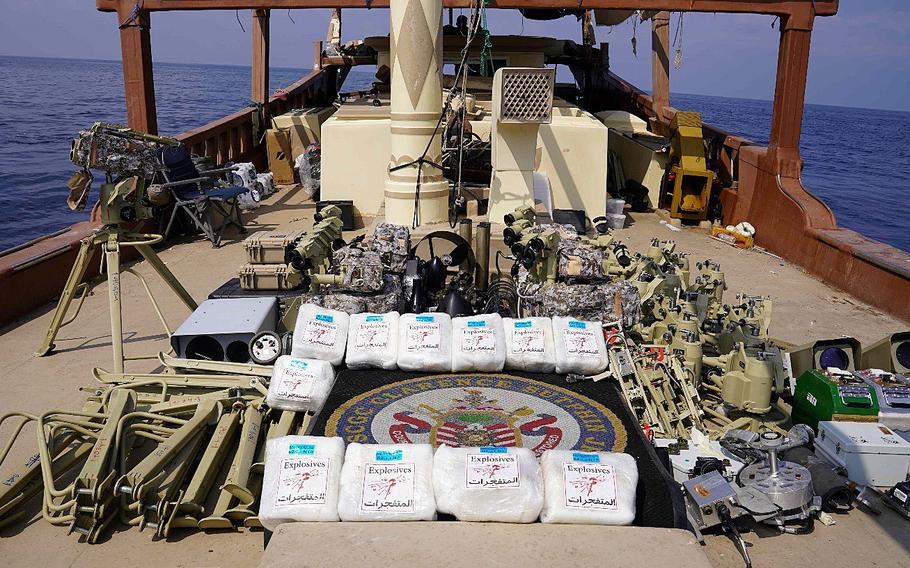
[{"x": 821, "y": 397}]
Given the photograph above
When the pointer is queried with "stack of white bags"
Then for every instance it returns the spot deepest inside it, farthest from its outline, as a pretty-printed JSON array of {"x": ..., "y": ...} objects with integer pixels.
[
  {"x": 320, "y": 333},
  {"x": 434, "y": 342},
  {"x": 478, "y": 343},
  {"x": 596, "y": 488},
  {"x": 314, "y": 479},
  {"x": 580, "y": 346},
  {"x": 529, "y": 344}
]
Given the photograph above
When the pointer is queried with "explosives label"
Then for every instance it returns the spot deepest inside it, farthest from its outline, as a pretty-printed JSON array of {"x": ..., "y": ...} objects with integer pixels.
[
  {"x": 296, "y": 382},
  {"x": 302, "y": 481},
  {"x": 590, "y": 486},
  {"x": 478, "y": 339},
  {"x": 373, "y": 336},
  {"x": 388, "y": 488},
  {"x": 527, "y": 340},
  {"x": 580, "y": 341},
  {"x": 321, "y": 331},
  {"x": 492, "y": 470},
  {"x": 423, "y": 336}
]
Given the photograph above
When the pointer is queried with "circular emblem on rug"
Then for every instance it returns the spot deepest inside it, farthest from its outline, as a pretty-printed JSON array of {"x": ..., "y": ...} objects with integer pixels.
[{"x": 478, "y": 410}]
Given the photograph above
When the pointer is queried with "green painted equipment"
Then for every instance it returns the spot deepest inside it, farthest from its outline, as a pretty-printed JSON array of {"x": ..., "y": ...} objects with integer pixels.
[{"x": 833, "y": 396}]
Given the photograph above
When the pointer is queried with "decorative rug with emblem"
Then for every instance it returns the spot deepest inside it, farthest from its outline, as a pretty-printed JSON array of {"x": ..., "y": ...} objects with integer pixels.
[{"x": 537, "y": 411}]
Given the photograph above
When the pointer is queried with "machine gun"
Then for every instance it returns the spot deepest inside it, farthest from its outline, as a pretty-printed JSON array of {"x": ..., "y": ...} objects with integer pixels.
[{"x": 129, "y": 160}]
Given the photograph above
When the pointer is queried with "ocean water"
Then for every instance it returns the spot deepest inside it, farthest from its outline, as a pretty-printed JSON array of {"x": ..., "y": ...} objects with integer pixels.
[{"x": 857, "y": 160}]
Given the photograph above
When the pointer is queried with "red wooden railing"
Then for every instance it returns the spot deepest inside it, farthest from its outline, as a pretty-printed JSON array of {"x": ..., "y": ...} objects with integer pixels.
[{"x": 230, "y": 139}]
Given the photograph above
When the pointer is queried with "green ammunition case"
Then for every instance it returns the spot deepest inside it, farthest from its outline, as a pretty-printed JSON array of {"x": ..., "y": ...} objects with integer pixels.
[{"x": 821, "y": 397}]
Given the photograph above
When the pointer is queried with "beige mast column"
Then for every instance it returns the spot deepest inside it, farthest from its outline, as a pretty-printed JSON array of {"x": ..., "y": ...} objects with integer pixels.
[{"x": 416, "y": 52}]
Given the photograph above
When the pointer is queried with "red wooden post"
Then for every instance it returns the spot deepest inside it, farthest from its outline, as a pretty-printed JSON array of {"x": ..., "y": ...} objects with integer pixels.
[
  {"x": 790, "y": 94},
  {"x": 260, "y": 73},
  {"x": 138, "y": 78},
  {"x": 660, "y": 61}
]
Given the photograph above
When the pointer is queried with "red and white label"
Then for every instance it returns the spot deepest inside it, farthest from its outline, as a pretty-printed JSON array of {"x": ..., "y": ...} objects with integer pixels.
[
  {"x": 590, "y": 486},
  {"x": 388, "y": 487},
  {"x": 492, "y": 471},
  {"x": 302, "y": 481}
]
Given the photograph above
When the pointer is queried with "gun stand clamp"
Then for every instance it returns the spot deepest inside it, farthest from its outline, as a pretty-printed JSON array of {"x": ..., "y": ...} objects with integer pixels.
[{"x": 111, "y": 238}]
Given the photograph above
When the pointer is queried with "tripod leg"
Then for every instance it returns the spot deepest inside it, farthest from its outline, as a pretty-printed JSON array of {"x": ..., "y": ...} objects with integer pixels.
[
  {"x": 86, "y": 249},
  {"x": 152, "y": 258},
  {"x": 112, "y": 259}
]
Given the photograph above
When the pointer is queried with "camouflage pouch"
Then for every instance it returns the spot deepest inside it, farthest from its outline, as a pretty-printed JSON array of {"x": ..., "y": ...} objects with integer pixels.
[
  {"x": 393, "y": 243},
  {"x": 593, "y": 302},
  {"x": 565, "y": 232},
  {"x": 629, "y": 302},
  {"x": 388, "y": 299},
  {"x": 360, "y": 270},
  {"x": 577, "y": 260}
]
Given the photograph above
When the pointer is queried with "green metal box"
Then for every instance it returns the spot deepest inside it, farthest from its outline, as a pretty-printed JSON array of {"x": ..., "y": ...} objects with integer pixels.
[{"x": 839, "y": 396}]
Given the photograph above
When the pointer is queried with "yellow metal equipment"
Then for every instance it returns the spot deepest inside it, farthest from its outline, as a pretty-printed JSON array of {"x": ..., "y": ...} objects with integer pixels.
[{"x": 692, "y": 179}]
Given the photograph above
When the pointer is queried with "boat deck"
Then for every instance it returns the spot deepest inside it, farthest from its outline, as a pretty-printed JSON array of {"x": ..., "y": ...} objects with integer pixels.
[{"x": 804, "y": 309}]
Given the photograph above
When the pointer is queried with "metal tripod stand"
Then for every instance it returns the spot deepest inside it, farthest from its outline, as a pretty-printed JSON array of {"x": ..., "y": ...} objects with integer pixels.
[{"x": 110, "y": 238}]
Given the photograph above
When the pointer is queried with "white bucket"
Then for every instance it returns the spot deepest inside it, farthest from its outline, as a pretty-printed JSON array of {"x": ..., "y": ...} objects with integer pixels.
[
  {"x": 615, "y": 206},
  {"x": 616, "y": 221}
]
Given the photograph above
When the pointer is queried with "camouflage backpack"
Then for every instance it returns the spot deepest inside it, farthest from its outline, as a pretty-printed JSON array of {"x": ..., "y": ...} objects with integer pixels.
[{"x": 393, "y": 243}]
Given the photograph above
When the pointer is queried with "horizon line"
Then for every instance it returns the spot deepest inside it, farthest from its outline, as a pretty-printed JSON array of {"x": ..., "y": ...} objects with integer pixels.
[{"x": 883, "y": 109}]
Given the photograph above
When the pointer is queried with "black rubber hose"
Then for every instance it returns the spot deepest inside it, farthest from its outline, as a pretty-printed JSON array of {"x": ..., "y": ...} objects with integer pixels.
[{"x": 827, "y": 482}]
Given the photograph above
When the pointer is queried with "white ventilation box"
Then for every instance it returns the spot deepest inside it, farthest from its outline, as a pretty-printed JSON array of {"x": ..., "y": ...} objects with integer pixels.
[
  {"x": 525, "y": 95},
  {"x": 522, "y": 101}
]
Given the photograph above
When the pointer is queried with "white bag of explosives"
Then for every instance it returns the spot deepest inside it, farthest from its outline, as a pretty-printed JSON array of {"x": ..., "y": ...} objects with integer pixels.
[
  {"x": 300, "y": 384},
  {"x": 488, "y": 484},
  {"x": 595, "y": 488},
  {"x": 529, "y": 344},
  {"x": 320, "y": 333},
  {"x": 478, "y": 343},
  {"x": 300, "y": 482},
  {"x": 580, "y": 346},
  {"x": 387, "y": 482},
  {"x": 373, "y": 341},
  {"x": 425, "y": 342}
]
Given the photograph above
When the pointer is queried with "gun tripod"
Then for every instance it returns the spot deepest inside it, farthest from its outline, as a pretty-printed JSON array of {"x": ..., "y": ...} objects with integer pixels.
[{"x": 110, "y": 238}]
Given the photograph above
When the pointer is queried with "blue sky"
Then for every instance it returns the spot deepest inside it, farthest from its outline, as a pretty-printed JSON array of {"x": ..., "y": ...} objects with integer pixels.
[{"x": 861, "y": 57}]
